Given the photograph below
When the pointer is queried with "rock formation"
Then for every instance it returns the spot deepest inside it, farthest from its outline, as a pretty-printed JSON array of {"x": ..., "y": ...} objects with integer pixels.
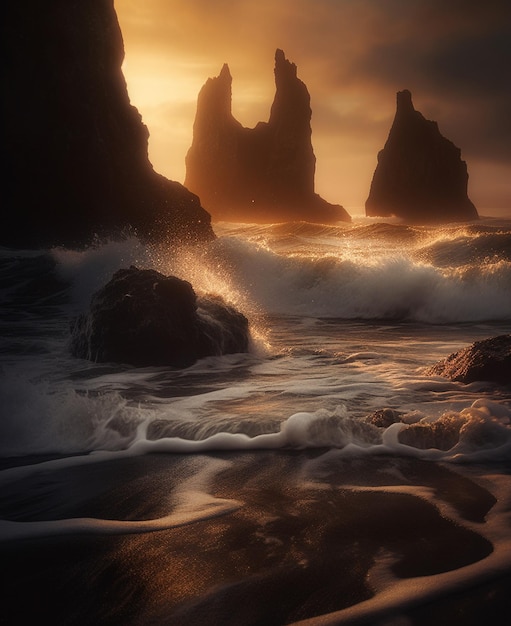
[
  {"x": 420, "y": 176},
  {"x": 383, "y": 418},
  {"x": 142, "y": 317},
  {"x": 489, "y": 360},
  {"x": 261, "y": 174},
  {"x": 75, "y": 151}
]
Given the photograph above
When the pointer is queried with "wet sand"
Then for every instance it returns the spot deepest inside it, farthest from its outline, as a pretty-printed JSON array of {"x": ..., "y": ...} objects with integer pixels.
[{"x": 291, "y": 551}]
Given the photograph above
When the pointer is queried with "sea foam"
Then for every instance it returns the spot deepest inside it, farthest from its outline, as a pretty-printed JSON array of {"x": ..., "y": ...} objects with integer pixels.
[
  {"x": 194, "y": 504},
  {"x": 348, "y": 284}
]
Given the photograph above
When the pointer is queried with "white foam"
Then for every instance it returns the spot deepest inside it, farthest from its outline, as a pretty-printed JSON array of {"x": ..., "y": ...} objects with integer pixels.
[
  {"x": 193, "y": 504},
  {"x": 371, "y": 286},
  {"x": 39, "y": 417},
  {"x": 362, "y": 276},
  {"x": 393, "y": 595},
  {"x": 402, "y": 595},
  {"x": 90, "y": 269},
  {"x": 483, "y": 436}
]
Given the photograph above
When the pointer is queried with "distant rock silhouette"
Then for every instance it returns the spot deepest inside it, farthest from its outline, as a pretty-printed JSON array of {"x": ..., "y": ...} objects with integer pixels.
[
  {"x": 261, "y": 174},
  {"x": 144, "y": 318},
  {"x": 420, "y": 176},
  {"x": 75, "y": 160}
]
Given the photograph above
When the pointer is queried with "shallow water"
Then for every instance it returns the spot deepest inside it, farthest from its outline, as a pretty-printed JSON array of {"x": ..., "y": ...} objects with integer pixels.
[{"x": 252, "y": 449}]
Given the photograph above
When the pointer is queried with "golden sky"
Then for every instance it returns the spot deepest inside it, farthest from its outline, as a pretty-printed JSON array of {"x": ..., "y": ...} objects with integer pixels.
[{"x": 353, "y": 55}]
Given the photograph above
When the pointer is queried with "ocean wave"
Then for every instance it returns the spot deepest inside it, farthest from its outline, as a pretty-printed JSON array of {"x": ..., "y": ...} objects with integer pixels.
[
  {"x": 30, "y": 280},
  {"x": 477, "y": 433},
  {"x": 395, "y": 286},
  {"x": 84, "y": 423},
  {"x": 368, "y": 229},
  {"x": 366, "y": 271},
  {"x": 464, "y": 250}
]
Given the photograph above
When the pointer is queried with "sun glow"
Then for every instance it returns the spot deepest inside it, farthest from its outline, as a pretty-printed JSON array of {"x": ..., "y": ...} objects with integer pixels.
[
  {"x": 349, "y": 56},
  {"x": 165, "y": 93}
]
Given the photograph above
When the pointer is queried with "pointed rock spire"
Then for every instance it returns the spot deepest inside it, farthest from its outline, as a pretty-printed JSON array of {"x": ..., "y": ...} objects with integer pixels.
[
  {"x": 260, "y": 174},
  {"x": 225, "y": 73},
  {"x": 404, "y": 103},
  {"x": 283, "y": 68},
  {"x": 420, "y": 176}
]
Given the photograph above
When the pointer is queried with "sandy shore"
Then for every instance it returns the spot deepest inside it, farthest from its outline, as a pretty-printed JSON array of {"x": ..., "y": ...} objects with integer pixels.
[{"x": 291, "y": 550}]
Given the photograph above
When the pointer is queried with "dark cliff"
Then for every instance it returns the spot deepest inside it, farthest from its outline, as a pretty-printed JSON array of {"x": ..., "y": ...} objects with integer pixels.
[
  {"x": 420, "y": 176},
  {"x": 259, "y": 174},
  {"x": 75, "y": 157}
]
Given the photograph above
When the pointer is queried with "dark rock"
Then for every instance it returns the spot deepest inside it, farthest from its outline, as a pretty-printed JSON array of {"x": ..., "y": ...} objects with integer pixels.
[
  {"x": 261, "y": 174},
  {"x": 142, "y": 317},
  {"x": 442, "y": 434},
  {"x": 75, "y": 160},
  {"x": 383, "y": 418},
  {"x": 489, "y": 359},
  {"x": 420, "y": 176}
]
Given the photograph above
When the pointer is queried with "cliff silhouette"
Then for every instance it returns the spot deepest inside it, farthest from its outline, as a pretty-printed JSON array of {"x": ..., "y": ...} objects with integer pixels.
[
  {"x": 261, "y": 174},
  {"x": 420, "y": 176},
  {"x": 75, "y": 150}
]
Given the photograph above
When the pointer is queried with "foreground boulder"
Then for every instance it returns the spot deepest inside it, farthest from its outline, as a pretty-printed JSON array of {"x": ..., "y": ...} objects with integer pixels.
[
  {"x": 75, "y": 161},
  {"x": 420, "y": 176},
  {"x": 261, "y": 174},
  {"x": 489, "y": 359},
  {"x": 142, "y": 318}
]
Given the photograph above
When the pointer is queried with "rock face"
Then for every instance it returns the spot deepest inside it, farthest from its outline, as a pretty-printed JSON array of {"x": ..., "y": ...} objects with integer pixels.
[
  {"x": 142, "y": 317},
  {"x": 74, "y": 149},
  {"x": 261, "y": 174},
  {"x": 420, "y": 176},
  {"x": 489, "y": 359}
]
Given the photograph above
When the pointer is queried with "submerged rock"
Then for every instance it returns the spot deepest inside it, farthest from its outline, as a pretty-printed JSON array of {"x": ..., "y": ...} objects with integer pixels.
[
  {"x": 383, "y": 418},
  {"x": 442, "y": 434},
  {"x": 142, "y": 318},
  {"x": 261, "y": 174},
  {"x": 75, "y": 160},
  {"x": 420, "y": 176},
  {"x": 489, "y": 359}
]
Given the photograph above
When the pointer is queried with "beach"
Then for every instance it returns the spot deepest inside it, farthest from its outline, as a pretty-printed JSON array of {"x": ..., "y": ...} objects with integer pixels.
[{"x": 257, "y": 488}]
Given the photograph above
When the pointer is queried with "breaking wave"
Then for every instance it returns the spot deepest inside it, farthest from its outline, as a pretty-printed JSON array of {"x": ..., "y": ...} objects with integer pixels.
[
  {"x": 353, "y": 284},
  {"x": 366, "y": 271},
  {"x": 72, "y": 422}
]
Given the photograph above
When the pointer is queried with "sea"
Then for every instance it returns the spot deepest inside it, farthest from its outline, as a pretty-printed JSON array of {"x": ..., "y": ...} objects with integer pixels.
[{"x": 257, "y": 488}]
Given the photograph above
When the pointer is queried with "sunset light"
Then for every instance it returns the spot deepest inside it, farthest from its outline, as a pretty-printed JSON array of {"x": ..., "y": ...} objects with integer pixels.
[
  {"x": 353, "y": 57},
  {"x": 255, "y": 301}
]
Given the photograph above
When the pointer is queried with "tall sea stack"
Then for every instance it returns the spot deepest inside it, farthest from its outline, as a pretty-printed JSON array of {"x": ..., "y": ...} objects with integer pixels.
[
  {"x": 75, "y": 159},
  {"x": 420, "y": 176},
  {"x": 261, "y": 174}
]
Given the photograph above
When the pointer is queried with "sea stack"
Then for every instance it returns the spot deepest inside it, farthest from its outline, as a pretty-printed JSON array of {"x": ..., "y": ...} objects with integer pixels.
[
  {"x": 420, "y": 176},
  {"x": 261, "y": 174},
  {"x": 75, "y": 161}
]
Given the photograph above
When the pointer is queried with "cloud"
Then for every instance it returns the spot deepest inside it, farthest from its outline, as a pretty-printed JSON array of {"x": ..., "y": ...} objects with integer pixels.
[{"x": 458, "y": 68}]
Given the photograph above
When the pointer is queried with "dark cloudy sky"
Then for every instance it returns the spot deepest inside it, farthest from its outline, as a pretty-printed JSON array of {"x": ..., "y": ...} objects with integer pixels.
[{"x": 353, "y": 55}]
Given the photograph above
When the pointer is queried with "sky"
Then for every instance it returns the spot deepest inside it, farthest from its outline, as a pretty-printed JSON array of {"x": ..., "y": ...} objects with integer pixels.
[{"x": 353, "y": 55}]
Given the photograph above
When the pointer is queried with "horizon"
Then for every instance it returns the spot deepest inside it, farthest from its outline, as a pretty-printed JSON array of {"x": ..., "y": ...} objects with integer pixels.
[{"x": 353, "y": 87}]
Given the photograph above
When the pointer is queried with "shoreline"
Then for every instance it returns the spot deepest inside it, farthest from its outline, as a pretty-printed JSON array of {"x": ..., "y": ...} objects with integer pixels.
[{"x": 292, "y": 551}]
